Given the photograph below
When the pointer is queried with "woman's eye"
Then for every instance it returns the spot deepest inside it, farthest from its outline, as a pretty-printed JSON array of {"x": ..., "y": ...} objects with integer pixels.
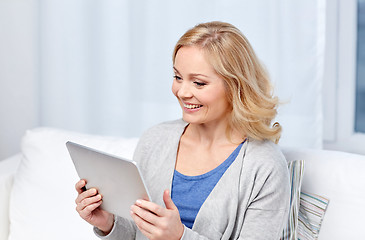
[
  {"x": 199, "y": 84},
  {"x": 177, "y": 77}
]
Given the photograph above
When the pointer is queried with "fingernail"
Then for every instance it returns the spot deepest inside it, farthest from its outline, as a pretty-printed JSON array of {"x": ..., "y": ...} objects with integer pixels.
[{"x": 138, "y": 202}]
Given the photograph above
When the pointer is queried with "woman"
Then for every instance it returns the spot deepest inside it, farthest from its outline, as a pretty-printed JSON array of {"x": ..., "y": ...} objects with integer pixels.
[{"x": 227, "y": 177}]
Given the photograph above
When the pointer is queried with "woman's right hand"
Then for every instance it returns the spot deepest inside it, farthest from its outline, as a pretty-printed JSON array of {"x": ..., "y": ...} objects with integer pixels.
[{"x": 88, "y": 203}]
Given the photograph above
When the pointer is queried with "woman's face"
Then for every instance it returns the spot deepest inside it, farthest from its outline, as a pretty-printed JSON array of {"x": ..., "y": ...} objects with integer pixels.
[{"x": 199, "y": 90}]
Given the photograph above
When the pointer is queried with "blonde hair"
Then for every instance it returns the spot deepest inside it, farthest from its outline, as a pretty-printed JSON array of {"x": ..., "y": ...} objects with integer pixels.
[{"x": 248, "y": 87}]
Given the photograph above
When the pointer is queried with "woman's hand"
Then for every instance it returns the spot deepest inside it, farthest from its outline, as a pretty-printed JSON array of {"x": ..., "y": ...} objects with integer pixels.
[
  {"x": 88, "y": 203},
  {"x": 157, "y": 222}
]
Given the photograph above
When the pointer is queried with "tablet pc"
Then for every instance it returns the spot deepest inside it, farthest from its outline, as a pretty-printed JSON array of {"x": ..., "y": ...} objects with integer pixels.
[{"x": 117, "y": 179}]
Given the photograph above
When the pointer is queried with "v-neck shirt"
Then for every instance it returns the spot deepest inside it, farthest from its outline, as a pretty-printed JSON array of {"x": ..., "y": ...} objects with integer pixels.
[{"x": 189, "y": 192}]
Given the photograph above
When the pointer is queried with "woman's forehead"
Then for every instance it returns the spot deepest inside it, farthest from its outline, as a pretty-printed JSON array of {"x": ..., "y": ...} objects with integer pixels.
[{"x": 192, "y": 58}]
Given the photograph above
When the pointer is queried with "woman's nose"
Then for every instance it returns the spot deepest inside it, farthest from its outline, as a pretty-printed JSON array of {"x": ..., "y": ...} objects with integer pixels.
[{"x": 185, "y": 90}]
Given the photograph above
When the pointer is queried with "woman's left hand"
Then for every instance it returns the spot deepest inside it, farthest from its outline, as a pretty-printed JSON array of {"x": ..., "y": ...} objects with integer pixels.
[{"x": 157, "y": 222}]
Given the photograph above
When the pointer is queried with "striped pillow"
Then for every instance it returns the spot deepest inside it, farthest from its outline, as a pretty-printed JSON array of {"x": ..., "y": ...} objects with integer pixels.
[
  {"x": 311, "y": 212},
  {"x": 296, "y": 170}
]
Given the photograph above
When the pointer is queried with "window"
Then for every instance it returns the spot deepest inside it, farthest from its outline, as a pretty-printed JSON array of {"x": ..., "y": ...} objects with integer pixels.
[
  {"x": 344, "y": 85},
  {"x": 360, "y": 69}
]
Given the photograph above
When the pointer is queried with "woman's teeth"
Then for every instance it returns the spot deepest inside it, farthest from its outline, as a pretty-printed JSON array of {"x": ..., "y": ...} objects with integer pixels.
[{"x": 192, "y": 106}]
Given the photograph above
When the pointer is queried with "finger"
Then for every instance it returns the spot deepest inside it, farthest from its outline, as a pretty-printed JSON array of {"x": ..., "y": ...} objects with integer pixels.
[
  {"x": 88, "y": 201},
  {"x": 89, "y": 193},
  {"x": 80, "y": 185},
  {"x": 144, "y": 214},
  {"x": 84, "y": 213},
  {"x": 150, "y": 206},
  {"x": 168, "y": 201},
  {"x": 145, "y": 227}
]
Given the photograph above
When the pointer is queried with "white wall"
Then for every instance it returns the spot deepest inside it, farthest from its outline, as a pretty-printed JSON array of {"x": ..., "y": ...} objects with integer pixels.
[{"x": 18, "y": 72}]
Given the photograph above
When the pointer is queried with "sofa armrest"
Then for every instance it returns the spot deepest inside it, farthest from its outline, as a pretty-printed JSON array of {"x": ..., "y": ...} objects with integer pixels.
[
  {"x": 10, "y": 165},
  {"x": 7, "y": 170}
]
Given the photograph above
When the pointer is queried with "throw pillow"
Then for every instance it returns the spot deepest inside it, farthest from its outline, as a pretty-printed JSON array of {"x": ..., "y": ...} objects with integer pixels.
[
  {"x": 296, "y": 170},
  {"x": 311, "y": 212}
]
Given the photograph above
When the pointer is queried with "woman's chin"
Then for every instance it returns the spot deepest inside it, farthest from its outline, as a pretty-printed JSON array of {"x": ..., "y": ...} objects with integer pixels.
[{"x": 189, "y": 119}]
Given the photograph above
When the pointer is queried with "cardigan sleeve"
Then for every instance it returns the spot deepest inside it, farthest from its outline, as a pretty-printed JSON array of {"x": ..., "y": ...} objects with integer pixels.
[
  {"x": 122, "y": 229},
  {"x": 266, "y": 223},
  {"x": 268, "y": 209}
]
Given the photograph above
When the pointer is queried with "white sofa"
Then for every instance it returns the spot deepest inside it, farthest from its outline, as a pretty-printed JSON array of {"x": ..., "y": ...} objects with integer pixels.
[{"x": 37, "y": 187}]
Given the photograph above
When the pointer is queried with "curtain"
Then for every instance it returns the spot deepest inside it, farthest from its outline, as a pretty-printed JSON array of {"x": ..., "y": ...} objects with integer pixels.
[{"x": 105, "y": 66}]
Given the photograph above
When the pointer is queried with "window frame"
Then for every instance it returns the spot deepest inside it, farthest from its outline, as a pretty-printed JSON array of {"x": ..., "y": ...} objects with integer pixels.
[{"x": 339, "y": 120}]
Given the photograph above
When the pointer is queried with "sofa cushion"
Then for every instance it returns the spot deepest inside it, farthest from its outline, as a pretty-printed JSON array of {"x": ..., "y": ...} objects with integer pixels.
[{"x": 42, "y": 203}]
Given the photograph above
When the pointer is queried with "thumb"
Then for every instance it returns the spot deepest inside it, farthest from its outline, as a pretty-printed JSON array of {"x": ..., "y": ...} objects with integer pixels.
[{"x": 168, "y": 201}]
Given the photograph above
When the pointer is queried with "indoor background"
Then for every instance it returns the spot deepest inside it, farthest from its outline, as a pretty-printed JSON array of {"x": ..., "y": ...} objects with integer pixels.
[{"x": 104, "y": 67}]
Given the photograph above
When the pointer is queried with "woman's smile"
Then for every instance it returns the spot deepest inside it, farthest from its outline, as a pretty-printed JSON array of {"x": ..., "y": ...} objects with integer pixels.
[{"x": 191, "y": 106}]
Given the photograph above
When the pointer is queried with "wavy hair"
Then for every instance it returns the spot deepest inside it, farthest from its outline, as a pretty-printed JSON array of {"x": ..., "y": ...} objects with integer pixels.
[{"x": 248, "y": 88}]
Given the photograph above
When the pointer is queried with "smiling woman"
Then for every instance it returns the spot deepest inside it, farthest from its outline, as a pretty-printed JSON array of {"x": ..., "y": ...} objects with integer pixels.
[{"x": 216, "y": 173}]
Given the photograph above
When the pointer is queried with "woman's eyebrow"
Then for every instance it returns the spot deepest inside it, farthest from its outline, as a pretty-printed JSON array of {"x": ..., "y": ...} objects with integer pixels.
[
  {"x": 198, "y": 74},
  {"x": 177, "y": 71},
  {"x": 191, "y": 74}
]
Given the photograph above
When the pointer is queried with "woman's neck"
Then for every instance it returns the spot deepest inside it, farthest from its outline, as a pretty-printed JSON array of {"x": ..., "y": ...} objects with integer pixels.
[{"x": 211, "y": 134}]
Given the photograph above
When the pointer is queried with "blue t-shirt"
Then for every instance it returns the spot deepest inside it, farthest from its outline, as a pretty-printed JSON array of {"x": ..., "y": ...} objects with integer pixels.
[{"x": 190, "y": 192}]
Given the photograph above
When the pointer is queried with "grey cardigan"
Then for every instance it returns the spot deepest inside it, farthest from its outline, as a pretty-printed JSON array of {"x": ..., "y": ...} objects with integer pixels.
[{"x": 250, "y": 201}]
